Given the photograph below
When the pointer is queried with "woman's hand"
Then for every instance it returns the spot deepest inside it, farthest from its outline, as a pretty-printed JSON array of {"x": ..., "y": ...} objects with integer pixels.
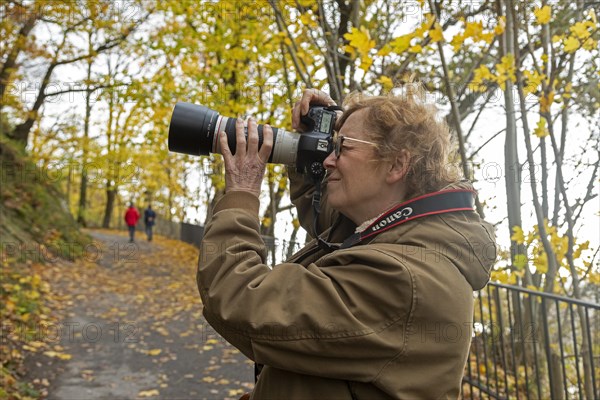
[
  {"x": 309, "y": 96},
  {"x": 244, "y": 171}
]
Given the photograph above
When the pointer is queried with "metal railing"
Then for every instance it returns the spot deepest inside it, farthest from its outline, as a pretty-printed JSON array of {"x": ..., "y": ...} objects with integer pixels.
[{"x": 532, "y": 345}]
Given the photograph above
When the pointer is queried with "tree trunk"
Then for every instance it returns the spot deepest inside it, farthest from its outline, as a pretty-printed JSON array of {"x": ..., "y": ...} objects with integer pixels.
[
  {"x": 10, "y": 64},
  {"x": 512, "y": 167},
  {"x": 86, "y": 134},
  {"x": 111, "y": 195},
  {"x": 291, "y": 244},
  {"x": 21, "y": 131},
  {"x": 82, "y": 198}
]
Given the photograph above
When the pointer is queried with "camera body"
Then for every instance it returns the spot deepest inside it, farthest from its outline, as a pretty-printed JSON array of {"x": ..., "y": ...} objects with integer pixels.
[
  {"x": 316, "y": 143},
  {"x": 195, "y": 129}
]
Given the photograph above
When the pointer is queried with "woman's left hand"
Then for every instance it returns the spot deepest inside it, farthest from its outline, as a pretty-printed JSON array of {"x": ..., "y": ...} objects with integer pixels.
[{"x": 244, "y": 171}]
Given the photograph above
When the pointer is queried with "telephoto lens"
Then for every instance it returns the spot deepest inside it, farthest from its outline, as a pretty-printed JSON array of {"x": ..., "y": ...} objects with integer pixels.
[{"x": 195, "y": 130}]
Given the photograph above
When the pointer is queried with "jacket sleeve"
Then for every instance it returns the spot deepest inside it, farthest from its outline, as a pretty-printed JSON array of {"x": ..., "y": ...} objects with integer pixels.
[
  {"x": 301, "y": 193},
  {"x": 292, "y": 317}
]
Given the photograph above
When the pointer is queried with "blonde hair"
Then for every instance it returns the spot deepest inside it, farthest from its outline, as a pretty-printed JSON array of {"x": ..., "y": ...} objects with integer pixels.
[{"x": 405, "y": 122}]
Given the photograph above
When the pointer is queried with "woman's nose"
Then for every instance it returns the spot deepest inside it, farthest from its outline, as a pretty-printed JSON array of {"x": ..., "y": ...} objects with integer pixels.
[{"x": 330, "y": 161}]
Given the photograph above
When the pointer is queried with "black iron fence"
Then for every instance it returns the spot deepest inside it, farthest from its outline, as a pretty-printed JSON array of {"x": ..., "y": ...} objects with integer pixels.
[{"x": 532, "y": 345}]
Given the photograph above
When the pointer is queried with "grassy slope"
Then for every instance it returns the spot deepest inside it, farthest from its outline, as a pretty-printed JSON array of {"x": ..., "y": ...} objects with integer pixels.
[
  {"x": 33, "y": 212},
  {"x": 36, "y": 230}
]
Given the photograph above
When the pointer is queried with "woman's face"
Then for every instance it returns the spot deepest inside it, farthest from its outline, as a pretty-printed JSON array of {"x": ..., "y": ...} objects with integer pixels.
[{"x": 355, "y": 179}]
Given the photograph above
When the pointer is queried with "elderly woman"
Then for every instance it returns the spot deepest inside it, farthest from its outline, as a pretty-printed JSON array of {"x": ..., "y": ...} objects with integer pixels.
[{"x": 380, "y": 305}]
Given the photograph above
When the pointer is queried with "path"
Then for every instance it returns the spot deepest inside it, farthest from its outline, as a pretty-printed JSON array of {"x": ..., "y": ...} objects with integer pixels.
[{"x": 132, "y": 328}]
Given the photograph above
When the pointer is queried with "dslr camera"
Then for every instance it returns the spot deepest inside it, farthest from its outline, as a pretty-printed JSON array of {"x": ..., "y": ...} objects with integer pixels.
[{"x": 195, "y": 130}]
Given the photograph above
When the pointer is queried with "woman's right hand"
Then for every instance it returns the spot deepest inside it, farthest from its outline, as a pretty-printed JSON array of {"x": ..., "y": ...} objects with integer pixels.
[{"x": 309, "y": 96}]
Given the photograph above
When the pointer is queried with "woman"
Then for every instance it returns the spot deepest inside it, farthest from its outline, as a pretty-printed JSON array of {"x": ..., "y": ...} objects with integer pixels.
[{"x": 380, "y": 306}]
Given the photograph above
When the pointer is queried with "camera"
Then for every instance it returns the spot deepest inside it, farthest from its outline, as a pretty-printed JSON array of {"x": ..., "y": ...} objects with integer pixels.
[{"x": 195, "y": 130}]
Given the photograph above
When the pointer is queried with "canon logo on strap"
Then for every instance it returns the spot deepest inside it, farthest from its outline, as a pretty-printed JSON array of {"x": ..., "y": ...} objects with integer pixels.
[{"x": 396, "y": 216}]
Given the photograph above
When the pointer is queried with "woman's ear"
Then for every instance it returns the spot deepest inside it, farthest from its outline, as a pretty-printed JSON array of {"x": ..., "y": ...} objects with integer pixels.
[{"x": 399, "y": 168}]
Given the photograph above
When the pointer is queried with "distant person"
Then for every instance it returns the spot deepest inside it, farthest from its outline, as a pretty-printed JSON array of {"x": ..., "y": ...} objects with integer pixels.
[
  {"x": 149, "y": 219},
  {"x": 132, "y": 216}
]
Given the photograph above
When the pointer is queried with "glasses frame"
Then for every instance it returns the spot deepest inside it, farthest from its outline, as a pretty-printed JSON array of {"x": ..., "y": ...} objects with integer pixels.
[{"x": 338, "y": 143}]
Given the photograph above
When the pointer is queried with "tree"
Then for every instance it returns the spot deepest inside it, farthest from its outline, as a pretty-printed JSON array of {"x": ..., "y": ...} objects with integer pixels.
[{"x": 65, "y": 21}]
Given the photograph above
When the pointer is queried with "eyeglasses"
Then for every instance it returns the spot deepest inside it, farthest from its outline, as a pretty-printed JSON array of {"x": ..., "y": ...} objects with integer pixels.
[{"x": 338, "y": 143}]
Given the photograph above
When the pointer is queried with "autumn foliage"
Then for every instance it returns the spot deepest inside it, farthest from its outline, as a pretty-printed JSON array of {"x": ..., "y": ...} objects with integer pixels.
[{"x": 87, "y": 89}]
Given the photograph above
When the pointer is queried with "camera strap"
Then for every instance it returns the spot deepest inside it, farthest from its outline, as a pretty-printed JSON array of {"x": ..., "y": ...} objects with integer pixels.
[{"x": 443, "y": 201}]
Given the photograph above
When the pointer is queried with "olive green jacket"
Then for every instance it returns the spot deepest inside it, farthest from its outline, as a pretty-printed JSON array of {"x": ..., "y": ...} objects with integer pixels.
[{"x": 390, "y": 318}]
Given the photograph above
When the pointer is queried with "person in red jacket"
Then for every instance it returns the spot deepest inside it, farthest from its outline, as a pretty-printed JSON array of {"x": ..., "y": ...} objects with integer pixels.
[{"x": 131, "y": 218}]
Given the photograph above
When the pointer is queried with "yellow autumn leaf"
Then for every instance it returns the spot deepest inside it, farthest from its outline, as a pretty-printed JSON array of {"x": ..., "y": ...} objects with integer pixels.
[
  {"x": 517, "y": 236},
  {"x": 162, "y": 331},
  {"x": 473, "y": 30},
  {"x": 37, "y": 344},
  {"x": 590, "y": 44},
  {"x": 580, "y": 30},
  {"x": 149, "y": 393},
  {"x": 533, "y": 80},
  {"x": 306, "y": 19},
  {"x": 424, "y": 27},
  {"x": 520, "y": 261},
  {"x": 208, "y": 379},
  {"x": 385, "y": 50},
  {"x": 416, "y": 49},
  {"x": 487, "y": 37},
  {"x": 457, "y": 41},
  {"x": 56, "y": 354},
  {"x": 385, "y": 82},
  {"x": 350, "y": 50},
  {"x": 592, "y": 15},
  {"x": 482, "y": 74},
  {"x": 542, "y": 15},
  {"x": 505, "y": 71},
  {"x": 546, "y": 102},
  {"x": 499, "y": 276},
  {"x": 541, "y": 130},
  {"x": 580, "y": 248},
  {"x": 541, "y": 263},
  {"x": 571, "y": 44},
  {"x": 365, "y": 63},
  {"x": 436, "y": 34},
  {"x": 401, "y": 43},
  {"x": 360, "y": 39},
  {"x": 154, "y": 352},
  {"x": 501, "y": 26},
  {"x": 567, "y": 90}
]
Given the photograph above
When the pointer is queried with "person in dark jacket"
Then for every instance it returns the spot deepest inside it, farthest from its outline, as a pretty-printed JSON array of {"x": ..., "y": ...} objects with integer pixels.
[
  {"x": 149, "y": 220},
  {"x": 380, "y": 304},
  {"x": 132, "y": 216}
]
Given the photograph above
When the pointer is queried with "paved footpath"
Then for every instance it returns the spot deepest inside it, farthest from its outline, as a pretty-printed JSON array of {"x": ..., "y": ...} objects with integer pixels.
[{"x": 132, "y": 328}]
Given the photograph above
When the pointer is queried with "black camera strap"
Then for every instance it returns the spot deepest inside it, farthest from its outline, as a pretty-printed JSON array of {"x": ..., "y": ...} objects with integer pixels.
[{"x": 444, "y": 201}]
